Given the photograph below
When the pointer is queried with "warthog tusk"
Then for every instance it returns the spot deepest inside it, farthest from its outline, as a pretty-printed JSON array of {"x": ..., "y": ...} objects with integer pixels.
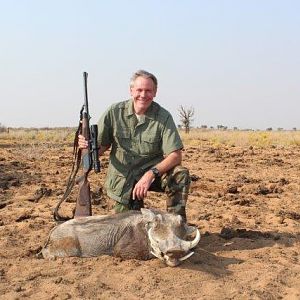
[
  {"x": 187, "y": 245},
  {"x": 156, "y": 255},
  {"x": 186, "y": 256}
]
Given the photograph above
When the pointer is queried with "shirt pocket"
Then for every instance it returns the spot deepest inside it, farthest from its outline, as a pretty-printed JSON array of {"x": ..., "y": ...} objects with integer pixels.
[
  {"x": 123, "y": 138},
  {"x": 150, "y": 144}
]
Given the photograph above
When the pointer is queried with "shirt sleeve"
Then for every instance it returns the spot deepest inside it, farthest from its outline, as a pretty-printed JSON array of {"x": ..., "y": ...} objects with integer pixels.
[
  {"x": 171, "y": 140},
  {"x": 105, "y": 129}
]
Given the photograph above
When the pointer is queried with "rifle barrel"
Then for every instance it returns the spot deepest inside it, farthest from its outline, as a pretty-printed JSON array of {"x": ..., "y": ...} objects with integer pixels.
[{"x": 86, "y": 106}]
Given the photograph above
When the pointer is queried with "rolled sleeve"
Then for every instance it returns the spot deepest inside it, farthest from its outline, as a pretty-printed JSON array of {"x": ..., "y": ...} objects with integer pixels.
[{"x": 171, "y": 140}]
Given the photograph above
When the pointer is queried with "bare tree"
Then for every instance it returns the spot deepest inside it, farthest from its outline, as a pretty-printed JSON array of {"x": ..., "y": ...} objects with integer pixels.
[
  {"x": 3, "y": 128},
  {"x": 186, "y": 115}
]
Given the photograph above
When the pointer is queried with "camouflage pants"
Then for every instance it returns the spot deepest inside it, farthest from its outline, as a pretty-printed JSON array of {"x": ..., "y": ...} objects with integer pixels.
[{"x": 175, "y": 184}]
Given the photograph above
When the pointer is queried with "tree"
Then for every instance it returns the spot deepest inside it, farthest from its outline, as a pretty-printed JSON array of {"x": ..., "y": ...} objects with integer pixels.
[
  {"x": 221, "y": 127},
  {"x": 186, "y": 115},
  {"x": 3, "y": 128}
]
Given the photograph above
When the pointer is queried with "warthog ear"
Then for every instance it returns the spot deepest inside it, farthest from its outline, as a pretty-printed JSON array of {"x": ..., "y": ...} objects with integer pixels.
[{"x": 148, "y": 214}]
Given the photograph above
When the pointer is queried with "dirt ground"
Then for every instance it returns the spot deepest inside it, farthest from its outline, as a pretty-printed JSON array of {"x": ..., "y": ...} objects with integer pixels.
[{"x": 245, "y": 202}]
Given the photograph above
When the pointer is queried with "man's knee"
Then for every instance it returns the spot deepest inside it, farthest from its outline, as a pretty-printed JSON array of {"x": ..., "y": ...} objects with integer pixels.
[
  {"x": 182, "y": 176},
  {"x": 178, "y": 179}
]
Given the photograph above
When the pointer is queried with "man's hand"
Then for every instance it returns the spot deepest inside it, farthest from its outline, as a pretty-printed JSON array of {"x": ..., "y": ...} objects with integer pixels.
[
  {"x": 82, "y": 142},
  {"x": 142, "y": 186}
]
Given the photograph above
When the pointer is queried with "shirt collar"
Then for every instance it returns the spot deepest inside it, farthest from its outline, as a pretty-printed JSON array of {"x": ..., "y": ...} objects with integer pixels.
[
  {"x": 150, "y": 113},
  {"x": 129, "y": 108}
]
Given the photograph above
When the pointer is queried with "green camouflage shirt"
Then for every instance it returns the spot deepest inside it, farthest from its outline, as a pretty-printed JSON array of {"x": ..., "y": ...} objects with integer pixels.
[{"x": 136, "y": 146}]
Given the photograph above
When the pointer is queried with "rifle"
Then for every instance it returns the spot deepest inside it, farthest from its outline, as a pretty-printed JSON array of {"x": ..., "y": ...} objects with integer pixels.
[{"x": 87, "y": 158}]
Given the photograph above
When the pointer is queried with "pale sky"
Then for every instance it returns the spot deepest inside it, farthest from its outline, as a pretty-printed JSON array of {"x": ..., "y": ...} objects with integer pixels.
[{"x": 236, "y": 62}]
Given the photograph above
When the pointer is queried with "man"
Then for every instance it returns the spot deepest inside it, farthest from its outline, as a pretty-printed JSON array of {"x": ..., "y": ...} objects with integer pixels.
[{"x": 145, "y": 149}]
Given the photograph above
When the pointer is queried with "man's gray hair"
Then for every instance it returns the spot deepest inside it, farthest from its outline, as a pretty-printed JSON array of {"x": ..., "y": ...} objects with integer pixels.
[{"x": 145, "y": 74}]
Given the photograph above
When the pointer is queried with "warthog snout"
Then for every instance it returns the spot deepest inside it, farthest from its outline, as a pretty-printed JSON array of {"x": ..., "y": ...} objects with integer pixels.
[{"x": 166, "y": 245}]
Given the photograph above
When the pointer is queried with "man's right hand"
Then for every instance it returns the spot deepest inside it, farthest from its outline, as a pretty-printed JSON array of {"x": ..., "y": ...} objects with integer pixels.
[
  {"x": 142, "y": 186},
  {"x": 82, "y": 142}
]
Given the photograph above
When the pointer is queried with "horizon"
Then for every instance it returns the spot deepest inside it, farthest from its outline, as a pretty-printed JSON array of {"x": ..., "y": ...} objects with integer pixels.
[{"x": 3, "y": 128}]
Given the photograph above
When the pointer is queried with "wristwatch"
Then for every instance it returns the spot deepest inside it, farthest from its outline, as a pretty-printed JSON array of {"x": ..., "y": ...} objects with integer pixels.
[{"x": 155, "y": 172}]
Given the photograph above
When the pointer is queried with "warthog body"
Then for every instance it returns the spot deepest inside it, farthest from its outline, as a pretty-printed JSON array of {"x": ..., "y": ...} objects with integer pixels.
[{"x": 134, "y": 234}]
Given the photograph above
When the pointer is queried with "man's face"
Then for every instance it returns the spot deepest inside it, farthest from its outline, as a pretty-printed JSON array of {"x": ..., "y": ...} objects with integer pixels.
[{"x": 142, "y": 92}]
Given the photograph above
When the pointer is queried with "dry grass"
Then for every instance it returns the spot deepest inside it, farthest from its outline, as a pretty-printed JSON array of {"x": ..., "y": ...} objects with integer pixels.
[
  {"x": 196, "y": 137},
  {"x": 261, "y": 139},
  {"x": 37, "y": 136}
]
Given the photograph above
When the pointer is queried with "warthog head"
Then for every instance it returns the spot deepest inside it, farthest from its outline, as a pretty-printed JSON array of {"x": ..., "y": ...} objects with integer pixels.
[{"x": 168, "y": 236}]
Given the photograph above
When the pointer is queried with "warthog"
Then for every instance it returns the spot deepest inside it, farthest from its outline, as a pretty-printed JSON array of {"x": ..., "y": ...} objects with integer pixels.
[{"x": 139, "y": 235}]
